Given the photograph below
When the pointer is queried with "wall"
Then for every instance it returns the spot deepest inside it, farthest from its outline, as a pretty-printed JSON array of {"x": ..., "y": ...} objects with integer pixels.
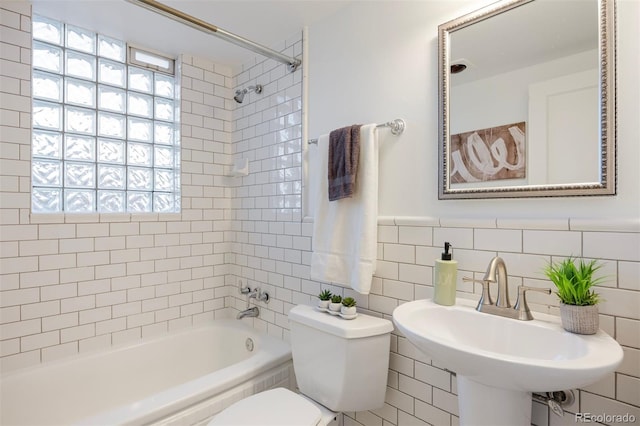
[
  {"x": 251, "y": 229},
  {"x": 269, "y": 243},
  {"x": 74, "y": 283},
  {"x": 420, "y": 391},
  {"x": 528, "y": 94},
  {"x": 376, "y": 61},
  {"x": 358, "y": 74},
  {"x": 509, "y": 92}
]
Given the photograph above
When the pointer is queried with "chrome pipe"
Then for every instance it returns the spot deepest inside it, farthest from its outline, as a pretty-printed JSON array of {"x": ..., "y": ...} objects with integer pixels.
[{"x": 211, "y": 29}]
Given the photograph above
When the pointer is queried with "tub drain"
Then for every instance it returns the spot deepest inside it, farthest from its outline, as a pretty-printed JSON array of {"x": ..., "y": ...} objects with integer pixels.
[{"x": 249, "y": 344}]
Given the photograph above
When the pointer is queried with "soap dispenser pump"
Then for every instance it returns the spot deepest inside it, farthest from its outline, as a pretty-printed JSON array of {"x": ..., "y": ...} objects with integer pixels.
[{"x": 446, "y": 272}]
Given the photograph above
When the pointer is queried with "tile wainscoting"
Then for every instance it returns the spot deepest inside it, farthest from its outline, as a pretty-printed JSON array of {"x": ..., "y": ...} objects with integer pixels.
[{"x": 419, "y": 390}]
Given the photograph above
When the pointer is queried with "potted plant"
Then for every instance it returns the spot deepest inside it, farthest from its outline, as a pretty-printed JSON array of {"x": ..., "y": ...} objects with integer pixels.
[
  {"x": 336, "y": 303},
  {"x": 579, "y": 303},
  {"x": 325, "y": 298},
  {"x": 348, "y": 306}
]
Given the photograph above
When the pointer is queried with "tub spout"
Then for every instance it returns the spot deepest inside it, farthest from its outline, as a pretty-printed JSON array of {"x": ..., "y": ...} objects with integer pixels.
[{"x": 249, "y": 312}]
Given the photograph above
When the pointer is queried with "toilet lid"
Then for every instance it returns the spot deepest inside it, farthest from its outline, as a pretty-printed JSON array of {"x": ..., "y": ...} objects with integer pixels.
[{"x": 276, "y": 407}]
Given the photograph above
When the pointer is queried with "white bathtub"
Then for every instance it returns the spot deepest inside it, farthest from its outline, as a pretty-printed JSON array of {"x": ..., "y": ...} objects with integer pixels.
[{"x": 183, "y": 378}]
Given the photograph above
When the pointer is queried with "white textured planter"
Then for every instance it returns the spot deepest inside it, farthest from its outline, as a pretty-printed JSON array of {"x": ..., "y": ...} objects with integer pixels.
[
  {"x": 580, "y": 319},
  {"x": 323, "y": 304},
  {"x": 348, "y": 310},
  {"x": 335, "y": 307}
]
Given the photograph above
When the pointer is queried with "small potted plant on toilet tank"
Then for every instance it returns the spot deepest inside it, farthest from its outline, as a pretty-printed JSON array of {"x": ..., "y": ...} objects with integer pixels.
[
  {"x": 348, "y": 306},
  {"x": 579, "y": 303},
  {"x": 325, "y": 299},
  {"x": 336, "y": 303}
]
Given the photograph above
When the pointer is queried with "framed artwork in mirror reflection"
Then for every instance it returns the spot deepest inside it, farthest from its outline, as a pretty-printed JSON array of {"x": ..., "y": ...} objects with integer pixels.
[{"x": 495, "y": 153}]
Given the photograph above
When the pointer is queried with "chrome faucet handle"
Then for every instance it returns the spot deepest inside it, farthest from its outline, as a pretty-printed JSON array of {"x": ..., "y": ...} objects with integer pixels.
[
  {"x": 485, "y": 299},
  {"x": 262, "y": 296},
  {"x": 521, "y": 304},
  {"x": 243, "y": 290},
  {"x": 251, "y": 294}
]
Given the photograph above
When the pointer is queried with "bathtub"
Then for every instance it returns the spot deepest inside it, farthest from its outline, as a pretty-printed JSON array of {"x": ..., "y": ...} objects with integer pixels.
[{"x": 182, "y": 378}]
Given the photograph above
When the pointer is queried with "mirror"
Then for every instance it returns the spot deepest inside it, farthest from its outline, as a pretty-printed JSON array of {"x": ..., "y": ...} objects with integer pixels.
[{"x": 527, "y": 100}]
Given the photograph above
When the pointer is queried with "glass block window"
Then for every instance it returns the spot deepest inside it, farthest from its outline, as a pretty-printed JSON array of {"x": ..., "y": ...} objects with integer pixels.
[{"x": 105, "y": 128}]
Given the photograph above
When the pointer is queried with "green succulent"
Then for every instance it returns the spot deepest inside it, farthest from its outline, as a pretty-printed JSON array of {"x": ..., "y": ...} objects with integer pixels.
[
  {"x": 325, "y": 295},
  {"x": 348, "y": 302},
  {"x": 574, "y": 282},
  {"x": 336, "y": 298}
]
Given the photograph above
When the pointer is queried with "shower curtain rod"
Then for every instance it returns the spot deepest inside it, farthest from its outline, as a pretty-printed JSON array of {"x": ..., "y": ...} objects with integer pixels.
[
  {"x": 397, "y": 127},
  {"x": 198, "y": 24}
]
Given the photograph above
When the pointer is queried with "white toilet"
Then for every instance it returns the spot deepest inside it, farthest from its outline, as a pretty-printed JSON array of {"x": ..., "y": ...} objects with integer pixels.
[{"x": 340, "y": 365}]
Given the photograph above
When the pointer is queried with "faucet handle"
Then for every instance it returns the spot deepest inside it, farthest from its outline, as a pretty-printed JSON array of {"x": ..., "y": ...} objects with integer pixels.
[
  {"x": 521, "y": 303},
  {"x": 485, "y": 299},
  {"x": 262, "y": 296},
  {"x": 243, "y": 289}
]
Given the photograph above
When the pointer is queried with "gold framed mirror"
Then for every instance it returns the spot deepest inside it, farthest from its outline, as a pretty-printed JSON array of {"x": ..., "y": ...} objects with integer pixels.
[{"x": 532, "y": 113}]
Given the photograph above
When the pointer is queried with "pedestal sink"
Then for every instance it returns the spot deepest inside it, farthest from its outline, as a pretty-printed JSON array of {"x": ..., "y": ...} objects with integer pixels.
[{"x": 500, "y": 361}]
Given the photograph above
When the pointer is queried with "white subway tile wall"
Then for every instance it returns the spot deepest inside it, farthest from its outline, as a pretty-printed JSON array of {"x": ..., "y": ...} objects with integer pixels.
[
  {"x": 74, "y": 283},
  {"x": 271, "y": 250},
  {"x": 78, "y": 283}
]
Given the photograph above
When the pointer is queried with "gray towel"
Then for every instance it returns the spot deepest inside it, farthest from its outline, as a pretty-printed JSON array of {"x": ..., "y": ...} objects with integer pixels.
[{"x": 344, "y": 154}]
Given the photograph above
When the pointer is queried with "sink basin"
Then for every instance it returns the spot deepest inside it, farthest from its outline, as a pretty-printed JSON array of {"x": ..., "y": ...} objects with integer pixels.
[
  {"x": 536, "y": 355},
  {"x": 497, "y": 358}
]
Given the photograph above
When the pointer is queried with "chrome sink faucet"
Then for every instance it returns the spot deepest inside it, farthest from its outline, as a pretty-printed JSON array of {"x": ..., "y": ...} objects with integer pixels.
[{"x": 497, "y": 273}]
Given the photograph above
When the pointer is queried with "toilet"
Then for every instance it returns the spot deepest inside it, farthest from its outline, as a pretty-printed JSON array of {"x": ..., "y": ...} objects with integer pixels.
[{"x": 340, "y": 365}]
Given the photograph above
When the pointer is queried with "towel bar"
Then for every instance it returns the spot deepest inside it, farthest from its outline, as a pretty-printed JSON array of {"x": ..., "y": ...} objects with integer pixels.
[{"x": 397, "y": 127}]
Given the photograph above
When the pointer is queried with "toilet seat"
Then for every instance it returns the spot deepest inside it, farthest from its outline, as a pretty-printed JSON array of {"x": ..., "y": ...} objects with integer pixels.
[{"x": 275, "y": 407}]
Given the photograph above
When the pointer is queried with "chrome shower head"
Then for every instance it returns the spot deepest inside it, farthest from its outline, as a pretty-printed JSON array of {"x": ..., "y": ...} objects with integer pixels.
[{"x": 239, "y": 97}]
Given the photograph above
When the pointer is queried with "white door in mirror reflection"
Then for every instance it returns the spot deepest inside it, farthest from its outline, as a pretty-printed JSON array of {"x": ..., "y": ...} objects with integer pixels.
[
  {"x": 564, "y": 129},
  {"x": 495, "y": 153}
]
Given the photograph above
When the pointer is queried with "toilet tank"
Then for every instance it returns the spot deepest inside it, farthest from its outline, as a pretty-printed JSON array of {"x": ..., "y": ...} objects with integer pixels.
[{"x": 342, "y": 364}]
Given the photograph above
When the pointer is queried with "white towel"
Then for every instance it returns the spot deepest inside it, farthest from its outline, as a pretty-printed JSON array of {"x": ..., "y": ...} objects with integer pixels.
[{"x": 345, "y": 232}]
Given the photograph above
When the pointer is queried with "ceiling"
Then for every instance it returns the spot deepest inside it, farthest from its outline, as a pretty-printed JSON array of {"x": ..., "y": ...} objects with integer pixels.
[
  {"x": 530, "y": 34},
  {"x": 269, "y": 22},
  {"x": 265, "y": 22}
]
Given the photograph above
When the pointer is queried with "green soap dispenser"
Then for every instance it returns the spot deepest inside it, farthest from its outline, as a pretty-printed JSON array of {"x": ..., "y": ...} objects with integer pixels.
[{"x": 446, "y": 273}]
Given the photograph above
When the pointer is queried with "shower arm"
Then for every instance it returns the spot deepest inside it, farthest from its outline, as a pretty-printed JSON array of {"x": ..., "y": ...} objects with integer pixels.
[{"x": 198, "y": 24}]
